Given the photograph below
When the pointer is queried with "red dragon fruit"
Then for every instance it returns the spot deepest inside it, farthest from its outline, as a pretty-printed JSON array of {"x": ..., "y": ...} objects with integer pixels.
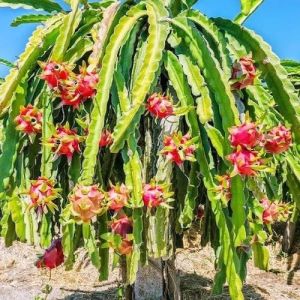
[
  {"x": 270, "y": 213},
  {"x": 53, "y": 256},
  {"x": 69, "y": 96},
  {"x": 122, "y": 226},
  {"x": 125, "y": 247},
  {"x": 245, "y": 161},
  {"x": 87, "y": 83},
  {"x": 64, "y": 142},
  {"x": 246, "y": 135},
  {"x": 87, "y": 202},
  {"x": 178, "y": 148},
  {"x": 54, "y": 72},
  {"x": 160, "y": 106},
  {"x": 243, "y": 73},
  {"x": 29, "y": 120},
  {"x": 118, "y": 197},
  {"x": 224, "y": 187},
  {"x": 106, "y": 138},
  {"x": 42, "y": 193},
  {"x": 278, "y": 140},
  {"x": 155, "y": 195}
]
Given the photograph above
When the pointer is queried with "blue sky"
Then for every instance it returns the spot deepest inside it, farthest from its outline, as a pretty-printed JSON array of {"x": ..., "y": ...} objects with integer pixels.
[{"x": 277, "y": 21}]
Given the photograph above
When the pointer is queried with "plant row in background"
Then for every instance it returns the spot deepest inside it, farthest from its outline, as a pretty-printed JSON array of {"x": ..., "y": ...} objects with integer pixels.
[{"x": 122, "y": 124}]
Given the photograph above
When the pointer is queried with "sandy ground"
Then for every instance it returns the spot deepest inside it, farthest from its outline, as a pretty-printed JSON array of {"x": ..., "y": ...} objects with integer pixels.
[{"x": 21, "y": 280}]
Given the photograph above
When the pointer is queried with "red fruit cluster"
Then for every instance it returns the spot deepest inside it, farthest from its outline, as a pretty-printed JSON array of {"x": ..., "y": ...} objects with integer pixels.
[
  {"x": 244, "y": 138},
  {"x": 64, "y": 142},
  {"x": 122, "y": 227},
  {"x": 29, "y": 120},
  {"x": 178, "y": 148},
  {"x": 160, "y": 106},
  {"x": 53, "y": 256},
  {"x": 243, "y": 73},
  {"x": 73, "y": 89}
]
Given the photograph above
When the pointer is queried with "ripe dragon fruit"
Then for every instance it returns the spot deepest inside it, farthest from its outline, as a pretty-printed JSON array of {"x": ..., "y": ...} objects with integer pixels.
[
  {"x": 42, "y": 194},
  {"x": 87, "y": 83},
  {"x": 106, "y": 138},
  {"x": 53, "y": 256},
  {"x": 246, "y": 135},
  {"x": 160, "y": 106},
  {"x": 64, "y": 142},
  {"x": 118, "y": 197},
  {"x": 178, "y": 148},
  {"x": 224, "y": 188},
  {"x": 243, "y": 73},
  {"x": 54, "y": 72},
  {"x": 245, "y": 161},
  {"x": 69, "y": 95},
  {"x": 29, "y": 120},
  {"x": 125, "y": 247},
  {"x": 122, "y": 226},
  {"x": 155, "y": 195},
  {"x": 278, "y": 140},
  {"x": 87, "y": 202},
  {"x": 270, "y": 213}
]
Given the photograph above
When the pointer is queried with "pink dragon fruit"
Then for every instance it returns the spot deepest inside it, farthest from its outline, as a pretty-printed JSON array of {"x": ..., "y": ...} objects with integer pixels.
[
  {"x": 29, "y": 120},
  {"x": 160, "y": 106},
  {"x": 87, "y": 202},
  {"x": 53, "y": 256},
  {"x": 246, "y": 135},
  {"x": 64, "y": 142},
  {"x": 87, "y": 83},
  {"x": 54, "y": 72},
  {"x": 278, "y": 140},
  {"x": 106, "y": 138},
  {"x": 42, "y": 193},
  {"x": 122, "y": 226},
  {"x": 245, "y": 161},
  {"x": 118, "y": 197},
  {"x": 270, "y": 213},
  {"x": 178, "y": 148},
  {"x": 243, "y": 73},
  {"x": 69, "y": 95}
]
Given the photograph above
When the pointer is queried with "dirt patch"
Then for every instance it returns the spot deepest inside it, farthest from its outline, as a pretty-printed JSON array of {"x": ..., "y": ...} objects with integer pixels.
[{"x": 21, "y": 280}]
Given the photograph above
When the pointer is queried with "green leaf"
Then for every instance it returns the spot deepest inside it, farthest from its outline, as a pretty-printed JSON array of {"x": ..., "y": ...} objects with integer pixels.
[
  {"x": 39, "y": 42},
  {"x": 261, "y": 256},
  {"x": 67, "y": 29},
  {"x": 273, "y": 73},
  {"x": 103, "y": 91},
  {"x": 6, "y": 63},
  {"x": 15, "y": 207},
  {"x": 29, "y": 19},
  {"x": 158, "y": 32},
  {"x": 248, "y": 7},
  {"x": 12, "y": 138},
  {"x": 216, "y": 139},
  {"x": 46, "y": 5}
]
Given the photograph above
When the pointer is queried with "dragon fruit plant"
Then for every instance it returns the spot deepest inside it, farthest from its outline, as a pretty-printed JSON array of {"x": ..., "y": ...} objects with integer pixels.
[{"x": 124, "y": 122}]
